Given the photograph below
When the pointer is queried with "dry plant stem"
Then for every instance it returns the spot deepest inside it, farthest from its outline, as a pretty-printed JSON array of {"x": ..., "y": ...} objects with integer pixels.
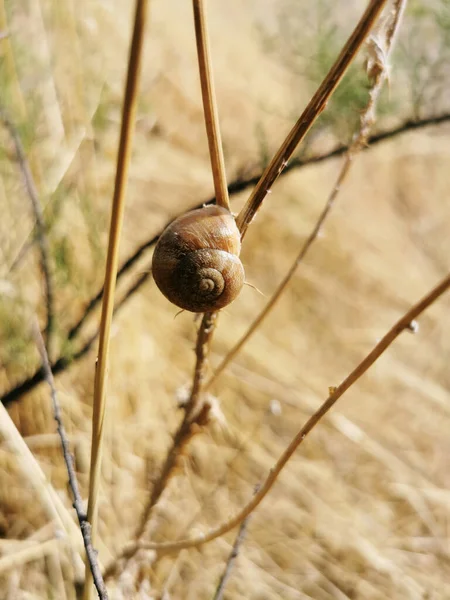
[
  {"x": 231, "y": 559},
  {"x": 195, "y": 411},
  {"x": 363, "y": 366},
  {"x": 44, "y": 493},
  {"x": 379, "y": 74},
  {"x": 204, "y": 337},
  {"x": 210, "y": 104},
  {"x": 118, "y": 205},
  {"x": 63, "y": 362},
  {"x": 78, "y": 505},
  {"x": 40, "y": 227},
  {"x": 310, "y": 114}
]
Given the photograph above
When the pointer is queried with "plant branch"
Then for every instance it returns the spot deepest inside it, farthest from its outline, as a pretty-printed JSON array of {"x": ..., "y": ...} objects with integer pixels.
[
  {"x": 235, "y": 187},
  {"x": 378, "y": 72},
  {"x": 210, "y": 104},
  {"x": 195, "y": 414},
  {"x": 315, "y": 106},
  {"x": 45, "y": 259},
  {"x": 404, "y": 323},
  {"x": 118, "y": 206},
  {"x": 78, "y": 505}
]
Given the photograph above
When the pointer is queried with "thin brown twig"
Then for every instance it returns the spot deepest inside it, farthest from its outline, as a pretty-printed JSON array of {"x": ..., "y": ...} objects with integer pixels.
[
  {"x": 61, "y": 363},
  {"x": 41, "y": 236},
  {"x": 118, "y": 206},
  {"x": 336, "y": 393},
  {"x": 378, "y": 73},
  {"x": 195, "y": 414},
  {"x": 205, "y": 334},
  {"x": 315, "y": 106},
  {"x": 210, "y": 104},
  {"x": 78, "y": 505}
]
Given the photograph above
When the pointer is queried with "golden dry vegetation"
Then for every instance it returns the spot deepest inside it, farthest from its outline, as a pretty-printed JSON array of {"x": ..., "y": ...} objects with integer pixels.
[{"x": 362, "y": 510}]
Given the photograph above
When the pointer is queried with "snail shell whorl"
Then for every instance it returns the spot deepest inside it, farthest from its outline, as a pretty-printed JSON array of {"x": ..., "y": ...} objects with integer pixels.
[{"x": 196, "y": 260}]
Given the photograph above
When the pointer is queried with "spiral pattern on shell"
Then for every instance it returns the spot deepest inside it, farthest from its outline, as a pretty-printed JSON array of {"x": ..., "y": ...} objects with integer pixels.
[{"x": 196, "y": 261}]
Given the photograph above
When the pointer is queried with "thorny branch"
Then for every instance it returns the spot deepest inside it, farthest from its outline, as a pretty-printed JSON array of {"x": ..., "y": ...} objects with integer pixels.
[
  {"x": 40, "y": 226},
  {"x": 379, "y": 47},
  {"x": 196, "y": 412},
  {"x": 73, "y": 482}
]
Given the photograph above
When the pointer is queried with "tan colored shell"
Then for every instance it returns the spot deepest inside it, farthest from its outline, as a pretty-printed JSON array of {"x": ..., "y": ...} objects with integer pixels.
[{"x": 196, "y": 261}]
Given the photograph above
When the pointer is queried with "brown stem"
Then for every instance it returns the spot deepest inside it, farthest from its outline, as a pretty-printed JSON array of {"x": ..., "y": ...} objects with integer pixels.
[
  {"x": 118, "y": 206},
  {"x": 210, "y": 104},
  {"x": 310, "y": 114}
]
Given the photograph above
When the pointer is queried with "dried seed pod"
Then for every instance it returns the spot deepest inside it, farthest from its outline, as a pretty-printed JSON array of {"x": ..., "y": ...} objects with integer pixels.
[{"x": 196, "y": 261}]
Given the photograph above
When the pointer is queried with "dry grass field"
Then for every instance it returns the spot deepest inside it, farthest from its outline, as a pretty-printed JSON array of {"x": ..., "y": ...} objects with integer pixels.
[{"x": 362, "y": 510}]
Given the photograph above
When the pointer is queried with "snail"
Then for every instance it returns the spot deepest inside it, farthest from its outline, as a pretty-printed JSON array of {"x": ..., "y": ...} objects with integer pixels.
[{"x": 196, "y": 261}]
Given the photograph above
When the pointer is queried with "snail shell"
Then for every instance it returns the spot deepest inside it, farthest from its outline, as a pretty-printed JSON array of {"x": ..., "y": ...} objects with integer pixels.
[{"x": 196, "y": 261}]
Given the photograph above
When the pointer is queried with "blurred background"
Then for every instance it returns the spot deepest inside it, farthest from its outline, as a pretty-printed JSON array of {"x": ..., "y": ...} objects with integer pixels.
[{"x": 362, "y": 510}]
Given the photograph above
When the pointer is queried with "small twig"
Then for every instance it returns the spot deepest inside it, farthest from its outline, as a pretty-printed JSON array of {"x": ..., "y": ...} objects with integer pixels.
[
  {"x": 195, "y": 413},
  {"x": 378, "y": 72},
  {"x": 118, "y": 205},
  {"x": 40, "y": 226},
  {"x": 337, "y": 392},
  {"x": 78, "y": 505},
  {"x": 60, "y": 364},
  {"x": 315, "y": 106},
  {"x": 205, "y": 333},
  {"x": 231, "y": 559},
  {"x": 210, "y": 104}
]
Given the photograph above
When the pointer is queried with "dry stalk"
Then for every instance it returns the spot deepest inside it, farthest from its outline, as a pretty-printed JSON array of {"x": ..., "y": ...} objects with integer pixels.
[
  {"x": 62, "y": 362},
  {"x": 33, "y": 473},
  {"x": 78, "y": 505},
  {"x": 315, "y": 106},
  {"x": 41, "y": 236},
  {"x": 337, "y": 392},
  {"x": 37, "y": 551},
  {"x": 118, "y": 205},
  {"x": 380, "y": 46},
  {"x": 210, "y": 104},
  {"x": 195, "y": 415}
]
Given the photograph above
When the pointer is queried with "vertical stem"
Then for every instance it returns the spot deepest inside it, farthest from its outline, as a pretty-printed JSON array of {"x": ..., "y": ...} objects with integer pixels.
[
  {"x": 210, "y": 105},
  {"x": 118, "y": 205},
  {"x": 202, "y": 347}
]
